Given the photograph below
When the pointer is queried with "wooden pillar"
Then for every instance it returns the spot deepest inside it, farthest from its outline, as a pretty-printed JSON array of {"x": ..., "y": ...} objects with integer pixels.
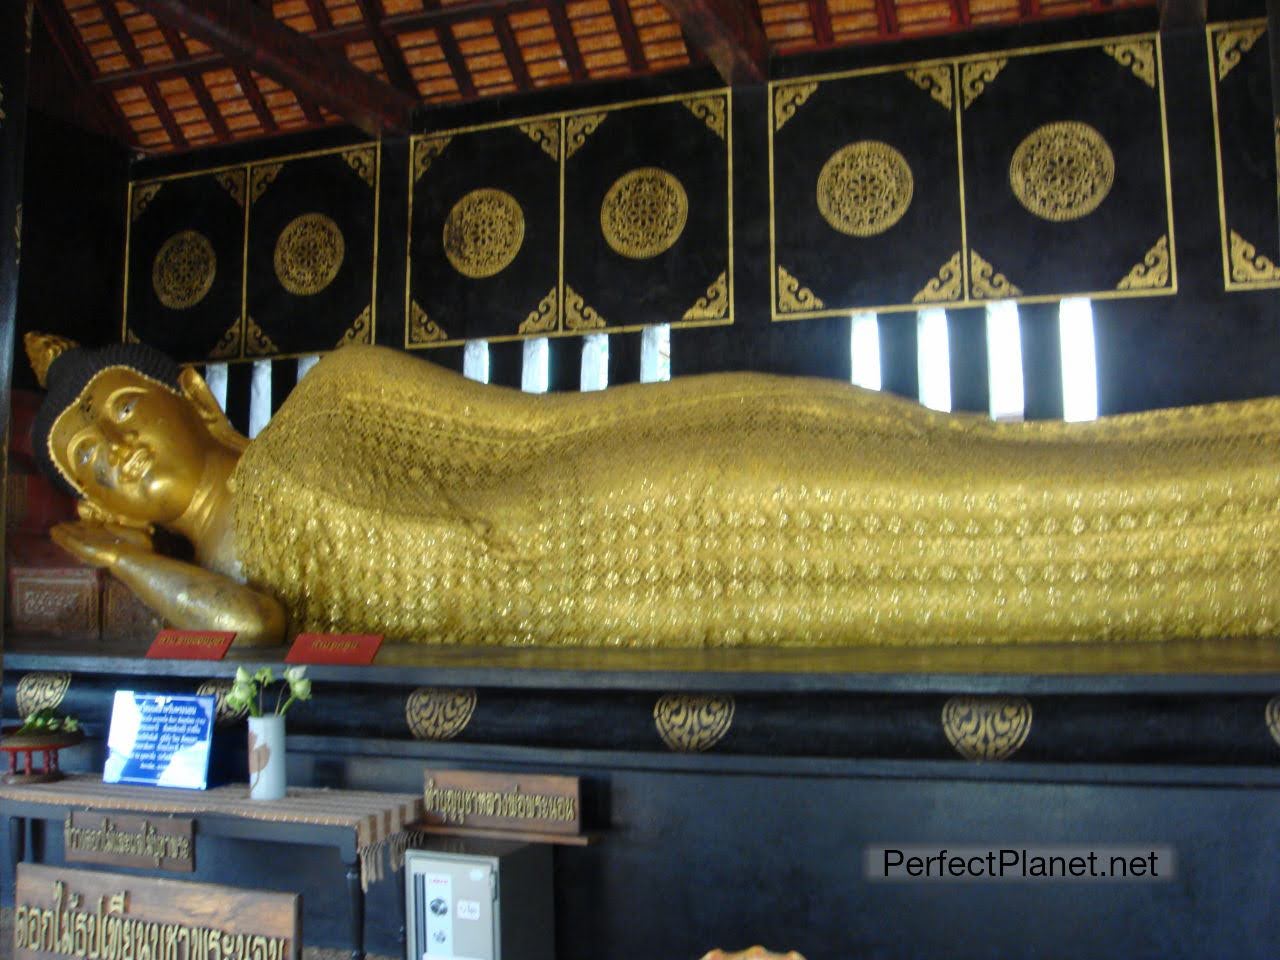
[{"x": 15, "y": 45}]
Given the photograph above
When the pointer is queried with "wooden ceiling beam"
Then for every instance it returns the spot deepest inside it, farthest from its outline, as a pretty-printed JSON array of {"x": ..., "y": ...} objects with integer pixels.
[
  {"x": 511, "y": 50},
  {"x": 251, "y": 37},
  {"x": 729, "y": 33},
  {"x": 124, "y": 40},
  {"x": 457, "y": 62},
  {"x": 568, "y": 44},
  {"x": 636, "y": 59},
  {"x": 266, "y": 119},
  {"x": 821, "y": 18},
  {"x": 887, "y": 17},
  {"x": 389, "y": 51}
]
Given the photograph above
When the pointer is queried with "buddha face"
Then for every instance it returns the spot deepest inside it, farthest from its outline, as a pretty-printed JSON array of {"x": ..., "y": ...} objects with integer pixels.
[{"x": 133, "y": 447}]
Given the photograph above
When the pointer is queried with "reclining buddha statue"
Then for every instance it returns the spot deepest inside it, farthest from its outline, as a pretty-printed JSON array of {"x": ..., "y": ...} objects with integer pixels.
[{"x": 389, "y": 495}]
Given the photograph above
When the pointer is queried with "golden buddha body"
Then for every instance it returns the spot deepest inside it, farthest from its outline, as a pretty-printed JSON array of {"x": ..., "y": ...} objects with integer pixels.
[{"x": 388, "y": 495}]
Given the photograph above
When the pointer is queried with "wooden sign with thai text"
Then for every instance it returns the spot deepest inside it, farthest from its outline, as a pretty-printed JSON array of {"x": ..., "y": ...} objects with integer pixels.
[
  {"x": 87, "y": 915},
  {"x": 190, "y": 645},
  {"x": 120, "y": 840},
  {"x": 503, "y": 801},
  {"x": 345, "y": 648}
]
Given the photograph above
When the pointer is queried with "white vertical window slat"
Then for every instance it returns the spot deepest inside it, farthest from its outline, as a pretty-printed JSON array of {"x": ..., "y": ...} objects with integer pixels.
[
  {"x": 1079, "y": 360},
  {"x": 475, "y": 360},
  {"x": 655, "y": 353},
  {"x": 306, "y": 363},
  {"x": 933, "y": 359},
  {"x": 1004, "y": 362},
  {"x": 215, "y": 375},
  {"x": 535, "y": 373},
  {"x": 595, "y": 361},
  {"x": 259, "y": 397},
  {"x": 864, "y": 350}
]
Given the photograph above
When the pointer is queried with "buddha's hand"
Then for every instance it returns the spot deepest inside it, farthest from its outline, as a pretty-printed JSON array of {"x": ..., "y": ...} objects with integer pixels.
[{"x": 100, "y": 544}]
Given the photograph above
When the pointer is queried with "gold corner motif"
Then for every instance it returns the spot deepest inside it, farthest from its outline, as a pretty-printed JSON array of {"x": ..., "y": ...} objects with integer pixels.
[
  {"x": 257, "y": 343},
  {"x": 986, "y": 282},
  {"x": 545, "y": 133},
  {"x": 364, "y": 163},
  {"x": 223, "y": 714},
  {"x": 935, "y": 81},
  {"x": 710, "y": 110},
  {"x": 41, "y": 691},
  {"x": 577, "y": 314},
  {"x": 233, "y": 182},
  {"x": 438, "y": 713},
  {"x": 793, "y": 296},
  {"x": 975, "y": 76},
  {"x": 987, "y": 728},
  {"x": 143, "y": 194},
  {"x": 1232, "y": 44},
  {"x": 1153, "y": 272},
  {"x": 1139, "y": 56},
  {"x": 715, "y": 304},
  {"x": 788, "y": 99},
  {"x": 544, "y": 317},
  {"x": 425, "y": 151},
  {"x": 578, "y": 128},
  {"x": 228, "y": 347},
  {"x": 1248, "y": 265},
  {"x": 692, "y": 723},
  {"x": 359, "y": 332},
  {"x": 422, "y": 329},
  {"x": 946, "y": 286},
  {"x": 262, "y": 177}
]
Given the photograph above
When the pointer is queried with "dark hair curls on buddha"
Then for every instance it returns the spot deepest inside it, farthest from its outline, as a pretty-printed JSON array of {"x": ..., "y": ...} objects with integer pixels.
[{"x": 388, "y": 495}]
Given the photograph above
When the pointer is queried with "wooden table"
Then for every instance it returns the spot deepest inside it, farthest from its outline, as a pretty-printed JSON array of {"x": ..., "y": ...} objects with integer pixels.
[{"x": 358, "y": 824}]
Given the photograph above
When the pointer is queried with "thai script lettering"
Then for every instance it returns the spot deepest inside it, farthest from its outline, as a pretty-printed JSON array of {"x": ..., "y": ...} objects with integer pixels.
[{"x": 455, "y": 804}]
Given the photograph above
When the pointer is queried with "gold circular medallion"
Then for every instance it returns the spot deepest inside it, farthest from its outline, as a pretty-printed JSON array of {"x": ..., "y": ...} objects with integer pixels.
[
  {"x": 183, "y": 270},
  {"x": 1062, "y": 171},
  {"x": 644, "y": 213},
  {"x": 483, "y": 233},
  {"x": 865, "y": 188},
  {"x": 309, "y": 253}
]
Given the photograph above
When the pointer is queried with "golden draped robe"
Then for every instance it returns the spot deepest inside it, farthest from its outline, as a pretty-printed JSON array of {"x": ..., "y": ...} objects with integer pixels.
[{"x": 391, "y": 496}]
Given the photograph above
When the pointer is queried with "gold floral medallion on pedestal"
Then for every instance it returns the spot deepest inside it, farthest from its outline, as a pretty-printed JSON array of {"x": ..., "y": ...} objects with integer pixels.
[
  {"x": 483, "y": 233},
  {"x": 644, "y": 213},
  {"x": 309, "y": 253},
  {"x": 1062, "y": 171},
  {"x": 865, "y": 188},
  {"x": 183, "y": 270}
]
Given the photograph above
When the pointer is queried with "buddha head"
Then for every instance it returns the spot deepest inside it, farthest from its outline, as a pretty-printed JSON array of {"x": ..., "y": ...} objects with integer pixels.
[{"x": 125, "y": 429}]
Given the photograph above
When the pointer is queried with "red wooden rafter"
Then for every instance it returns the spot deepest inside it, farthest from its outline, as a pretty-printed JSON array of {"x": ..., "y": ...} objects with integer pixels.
[
  {"x": 81, "y": 66},
  {"x": 511, "y": 51},
  {"x": 636, "y": 59}
]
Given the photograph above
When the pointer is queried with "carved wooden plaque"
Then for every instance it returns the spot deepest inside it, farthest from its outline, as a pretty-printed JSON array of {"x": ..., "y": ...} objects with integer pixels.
[
  {"x": 152, "y": 843},
  {"x": 60, "y": 912},
  {"x": 502, "y": 801}
]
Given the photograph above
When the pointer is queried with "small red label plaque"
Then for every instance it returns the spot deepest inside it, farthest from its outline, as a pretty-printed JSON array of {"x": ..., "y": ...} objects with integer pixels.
[
  {"x": 190, "y": 645},
  {"x": 349, "y": 648}
]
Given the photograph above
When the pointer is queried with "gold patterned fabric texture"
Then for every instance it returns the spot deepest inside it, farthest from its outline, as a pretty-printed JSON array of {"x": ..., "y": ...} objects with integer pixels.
[{"x": 389, "y": 495}]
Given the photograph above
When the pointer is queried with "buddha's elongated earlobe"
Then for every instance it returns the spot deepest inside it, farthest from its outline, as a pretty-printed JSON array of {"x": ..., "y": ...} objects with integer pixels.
[{"x": 197, "y": 391}]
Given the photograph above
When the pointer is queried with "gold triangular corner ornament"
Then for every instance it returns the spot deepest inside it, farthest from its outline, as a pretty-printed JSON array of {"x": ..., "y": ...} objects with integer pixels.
[
  {"x": 1139, "y": 56},
  {"x": 1233, "y": 43},
  {"x": 257, "y": 343},
  {"x": 577, "y": 314},
  {"x": 794, "y": 296},
  {"x": 359, "y": 332},
  {"x": 578, "y": 128},
  {"x": 364, "y": 162},
  {"x": 426, "y": 150},
  {"x": 975, "y": 76},
  {"x": 545, "y": 317},
  {"x": 946, "y": 286},
  {"x": 713, "y": 306},
  {"x": 422, "y": 329},
  {"x": 935, "y": 81},
  {"x": 987, "y": 283},
  {"x": 545, "y": 133},
  {"x": 1152, "y": 272},
  {"x": 789, "y": 98},
  {"x": 142, "y": 195},
  {"x": 131, "y": 337},
  {"x": 262, "y": 177},
  {"x": 711, "y": 110},
  {"x": 1248, "y": 265},
  {"x": 233, "y": 182},
  {"x": 228, "y": 347}
]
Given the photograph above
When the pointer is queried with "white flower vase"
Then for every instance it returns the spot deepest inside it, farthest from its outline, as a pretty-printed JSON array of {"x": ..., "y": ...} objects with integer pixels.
[{"x": 266, "y": 758}]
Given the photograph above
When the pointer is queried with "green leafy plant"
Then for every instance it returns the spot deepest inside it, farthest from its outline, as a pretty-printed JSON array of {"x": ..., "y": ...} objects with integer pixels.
[
  {"x": 249, "y": 689},
  {"x": 46, "y": 720}
]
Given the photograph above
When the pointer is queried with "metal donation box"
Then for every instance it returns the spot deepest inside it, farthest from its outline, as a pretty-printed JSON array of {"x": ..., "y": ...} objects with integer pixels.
[{"x": 479, "y": 900}]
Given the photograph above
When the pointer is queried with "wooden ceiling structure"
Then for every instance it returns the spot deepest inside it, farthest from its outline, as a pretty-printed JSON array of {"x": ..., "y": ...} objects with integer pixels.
[{"x": 174, "y": 75}]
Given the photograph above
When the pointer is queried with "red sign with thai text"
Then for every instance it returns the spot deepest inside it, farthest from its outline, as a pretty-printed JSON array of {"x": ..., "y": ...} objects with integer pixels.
[
  {"x": 349, "y": 648},
  {"x": 190, "y": 645}
]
